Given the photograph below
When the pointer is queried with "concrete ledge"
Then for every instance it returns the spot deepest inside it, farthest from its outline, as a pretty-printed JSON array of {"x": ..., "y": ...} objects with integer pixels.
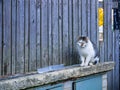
[{"x": 52, "y": 77}]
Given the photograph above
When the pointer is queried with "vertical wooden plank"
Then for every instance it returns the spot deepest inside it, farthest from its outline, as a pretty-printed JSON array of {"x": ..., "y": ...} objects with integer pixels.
[
  {"x": 14, "y": 24},
  {"x": 116, "y": 53},
  {"x": 21, "y": 40},
  {"x": 70, "y": 31},
  {"x": 65, "y": 32},
  {"x": 113, "y": 49},
  {"x": 75, "y": 19},
  {"x": 93, "y": 21},
  {"x": 27, "y": 30},
  {"x": 80, "y": 17},
  {"x": 38, "y": 54},
  {"x": 20, "y": 37},
  {"x": 17, "y": 38},
  {"x": 32, "y": 63},
  {"x": 1, "y": 32},
  {"x": 105, "y": 32},
  {"x": 55, "y": 31},
  {"x": 109, "y": 42},
  {"x": 44, "y": 34},
  {"x": 60, "y": 30},
  {"x": 49, "y": 3},
  {"x": 84, "y": 18},
  {"x": 96, "y": 21},
  {"x": 75, "y": 28},
  {"x": 105, "y": 28},
  {"x": 88, "y": 17},
  {"x": 101, "y": 48},
  {"x": 7, "y": 37}
]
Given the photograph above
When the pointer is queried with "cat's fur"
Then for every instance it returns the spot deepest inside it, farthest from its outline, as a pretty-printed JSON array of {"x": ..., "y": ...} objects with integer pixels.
[{"x": 88, "y": 52}]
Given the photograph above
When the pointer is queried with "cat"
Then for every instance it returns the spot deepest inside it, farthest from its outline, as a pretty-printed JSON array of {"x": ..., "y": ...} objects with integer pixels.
[{"x": 88, "y": 51}]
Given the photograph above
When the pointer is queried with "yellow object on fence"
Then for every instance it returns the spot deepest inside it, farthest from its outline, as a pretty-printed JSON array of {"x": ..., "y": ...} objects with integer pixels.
[{"x": 100, "y": 17}]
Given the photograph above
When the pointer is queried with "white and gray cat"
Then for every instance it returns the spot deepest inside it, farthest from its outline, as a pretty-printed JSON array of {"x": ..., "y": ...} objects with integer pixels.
[{"x": 88, "y": 52}]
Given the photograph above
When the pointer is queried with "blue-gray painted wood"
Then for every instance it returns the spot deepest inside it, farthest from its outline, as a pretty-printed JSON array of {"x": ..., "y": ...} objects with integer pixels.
[
  {"x": 60, "y": 28},
  {"x": 44, "y": 34},
  {"x": 17, "y": 66},
  {"x": 116, "y": 70},
  {"x": 21, "y": 38},
  {"x": 94, "y": 21},
  {"x": 38, "y": 38},
  {"x": 7, "y": 37},
  {"x": 14, "y": 27},
  {"x": 84, "y": 17},
  {"x": 55, "y": 32},
  {"x": 50, "y": 32},
  {"x": 113, "y": 58},
  {"x": 70, "y": 31},
  {"x": 105, "y": 28},
  {"x": 1, "y": 33},
  {"x": 80, "y": 16},
  {"x": 65, "y": 30},
  {"x": 89, "y": 83},
  {"x": 27, "y": 30},
  {"x": 75, "y": 29},
  {"x": 33, "y": 29},
  {"x": 108, "y": 38},
  {"x": 110, "y": 45},
  {"x": 101, "y": 48},
  {"x": 88, "y": 18}
]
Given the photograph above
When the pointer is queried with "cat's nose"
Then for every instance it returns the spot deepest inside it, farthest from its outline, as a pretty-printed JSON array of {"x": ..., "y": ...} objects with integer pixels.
[{"x": 82, "y": 44}]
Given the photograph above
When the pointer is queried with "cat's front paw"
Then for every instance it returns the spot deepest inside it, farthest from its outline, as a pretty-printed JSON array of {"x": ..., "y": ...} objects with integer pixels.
[
  {"x": 86, "y": 64},
  {"x": 82, "y": 65},
  {"x": 91, "y": 64}
]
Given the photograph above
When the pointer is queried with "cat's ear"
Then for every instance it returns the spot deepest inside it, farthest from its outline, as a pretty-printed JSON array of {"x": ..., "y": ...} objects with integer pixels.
[{"x": 87, "y": 39}]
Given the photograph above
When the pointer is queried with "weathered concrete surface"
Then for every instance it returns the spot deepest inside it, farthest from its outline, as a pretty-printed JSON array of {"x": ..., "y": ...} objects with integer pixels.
[{"x": 51, "y": 77}]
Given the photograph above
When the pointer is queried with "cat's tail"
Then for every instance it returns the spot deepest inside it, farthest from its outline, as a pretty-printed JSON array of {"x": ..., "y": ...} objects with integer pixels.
[{"x": 96, "y": 60}]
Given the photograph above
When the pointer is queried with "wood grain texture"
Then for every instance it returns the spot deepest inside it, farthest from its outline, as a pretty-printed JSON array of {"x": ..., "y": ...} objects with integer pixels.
[
  {"x": 116, "y": 70},
  {"x": 110, "y": 45},
  {"x": 27, "y": 31},
  {"x": 38, "y": 34},
  {"x": 17, "y": 39},
  {"x": 1, "y": 33},
  {"x": 55, "y": 38},
  {"x": 75, "y": 29},
  {"x": 65, "y": 32},
  {"x": 84, "y": 17},
  {"x": 93, "y": 21},
  {"x": 70, "y": 31},
  {"x": 21, "y": 38},
  {"x": 7, "y": 37},
  {"x": 50, "y": 32},
  {"x": 88, "y": 18},
  {"x": 60, "y": 28},
  {"x": 44, "y": 34},
  {"x": 33, "y": 29},
  {"x": 13, "y": 33}
]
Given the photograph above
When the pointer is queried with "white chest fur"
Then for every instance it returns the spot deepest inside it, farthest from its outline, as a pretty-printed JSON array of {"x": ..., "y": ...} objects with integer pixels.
[{"x": 87, "y": 51}]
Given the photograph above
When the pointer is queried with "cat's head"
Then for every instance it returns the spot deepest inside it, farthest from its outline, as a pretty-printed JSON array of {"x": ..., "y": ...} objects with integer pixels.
[{"x": 82, "y": 41}]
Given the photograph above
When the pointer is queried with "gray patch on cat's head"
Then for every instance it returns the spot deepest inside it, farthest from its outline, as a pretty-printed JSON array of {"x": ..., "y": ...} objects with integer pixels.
[
  {"x": 83, "y": 38},
  {"x": 82, "y": 41}
]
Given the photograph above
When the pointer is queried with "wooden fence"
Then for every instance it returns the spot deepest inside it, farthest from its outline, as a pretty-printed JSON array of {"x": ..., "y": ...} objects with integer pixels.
[{"x": 39, "y": 33}]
